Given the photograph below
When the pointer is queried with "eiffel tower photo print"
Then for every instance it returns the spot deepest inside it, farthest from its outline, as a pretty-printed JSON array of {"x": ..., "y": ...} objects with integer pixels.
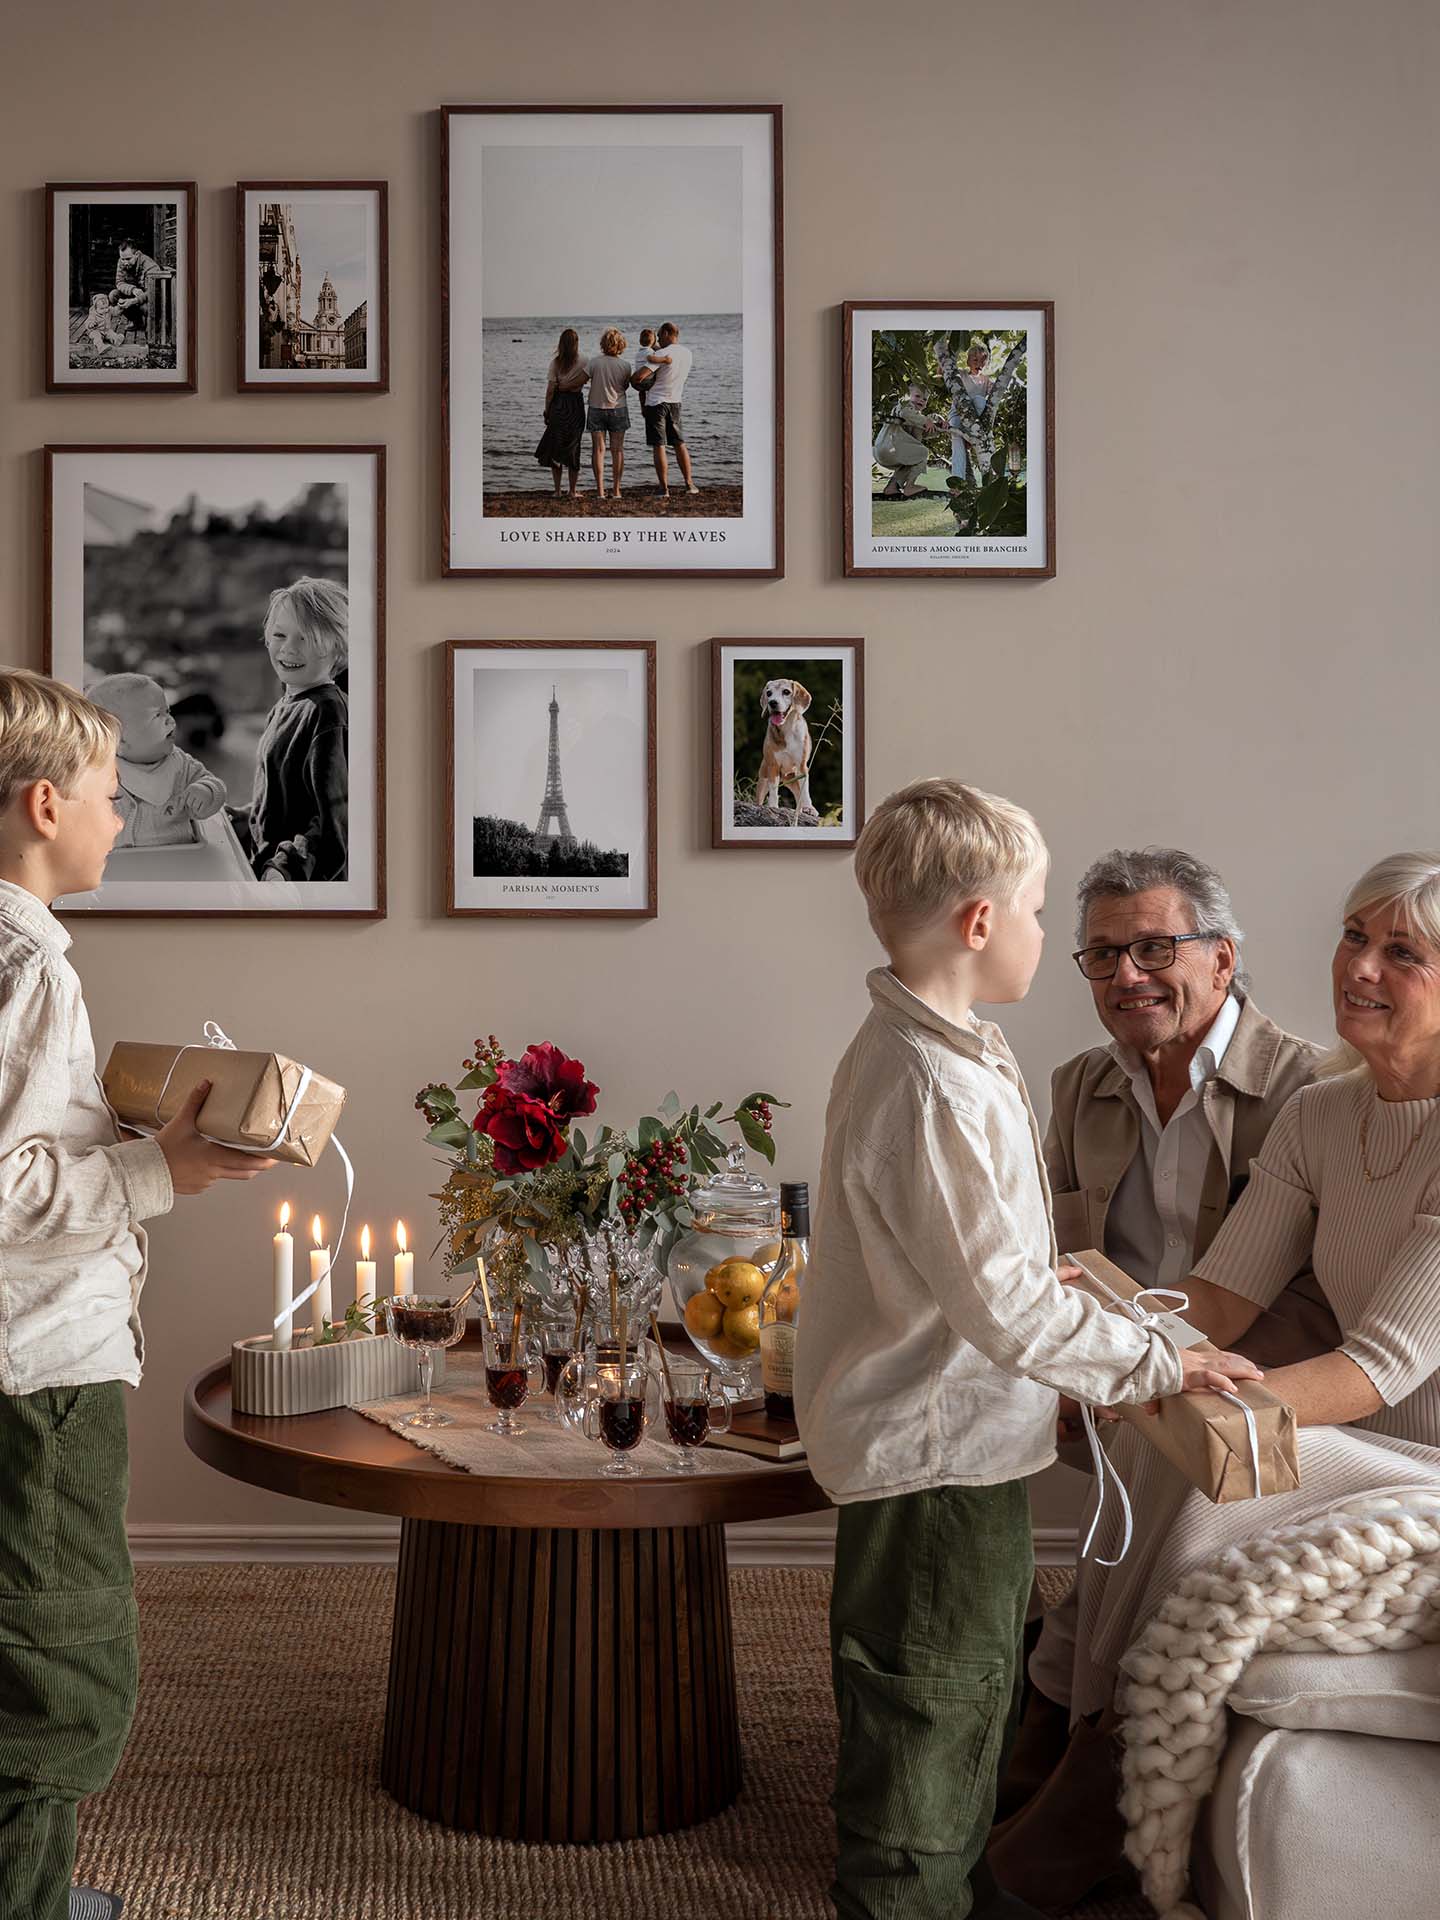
[{"x": 561, "y": 735}]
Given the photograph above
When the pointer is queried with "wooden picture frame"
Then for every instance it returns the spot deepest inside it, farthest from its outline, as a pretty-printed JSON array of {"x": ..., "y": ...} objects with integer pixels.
[
  {"x": 156, "y": 320},
  {"x": 508, "y": 761},
  {"x": 294, "y": 223},
  {"x": 995, "y": 520},
  {"x": 765, "y": 744},
  {"x": 263, "y": 518},
  {"x": 496, "y": 516}
]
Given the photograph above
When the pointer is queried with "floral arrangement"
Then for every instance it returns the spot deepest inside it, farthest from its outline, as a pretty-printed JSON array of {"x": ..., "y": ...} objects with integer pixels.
[{"x": 526, "y": 1187}]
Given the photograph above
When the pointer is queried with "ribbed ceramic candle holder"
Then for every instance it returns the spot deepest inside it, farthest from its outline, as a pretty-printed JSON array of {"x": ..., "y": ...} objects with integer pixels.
[{"x": 308, "y": 1379}]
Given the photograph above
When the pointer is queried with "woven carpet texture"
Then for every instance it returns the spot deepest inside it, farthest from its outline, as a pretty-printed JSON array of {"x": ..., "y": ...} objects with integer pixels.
[{"x": 249, "y": 1791}]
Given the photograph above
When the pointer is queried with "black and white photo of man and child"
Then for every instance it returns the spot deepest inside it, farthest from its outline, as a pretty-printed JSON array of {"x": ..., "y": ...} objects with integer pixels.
[
  {"x": 656, "y": 371},
  {"x": 293, "y": 824},
  {"x": 122, "y": 269}
]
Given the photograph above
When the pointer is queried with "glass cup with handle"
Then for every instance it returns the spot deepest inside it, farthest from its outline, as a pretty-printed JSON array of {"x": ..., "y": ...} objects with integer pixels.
[
  {"x": 695, "y": 1406},
  {"x": 514, "y": 1369}
]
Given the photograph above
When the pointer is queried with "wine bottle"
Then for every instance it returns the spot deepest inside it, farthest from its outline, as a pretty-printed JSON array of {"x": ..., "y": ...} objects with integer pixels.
[{"x": 781, "y": 1302}]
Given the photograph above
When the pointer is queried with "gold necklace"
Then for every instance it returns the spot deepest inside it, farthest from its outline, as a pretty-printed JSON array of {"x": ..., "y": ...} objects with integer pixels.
[{"x": 1365, "y": 1166}]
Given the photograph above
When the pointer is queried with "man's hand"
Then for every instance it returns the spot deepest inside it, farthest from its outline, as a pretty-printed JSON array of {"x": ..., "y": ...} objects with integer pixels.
[{"x": 196, "y": 1163}]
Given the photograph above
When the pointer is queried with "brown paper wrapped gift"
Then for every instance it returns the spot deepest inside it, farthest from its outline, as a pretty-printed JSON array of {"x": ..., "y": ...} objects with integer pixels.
[
  {"x": 1201, "y": 1434},
  {"x": 250, "y": 1096}
]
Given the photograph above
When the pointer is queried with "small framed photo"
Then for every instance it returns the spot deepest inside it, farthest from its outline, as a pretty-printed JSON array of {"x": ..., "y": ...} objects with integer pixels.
[
  {"x": 227, "y": 605},
  {"x": 551, "y": 778},
  {"x": 787, "y": 742},
  {"x": 312, "y": 286},
  {"x": 949, "y": 418},
  {"x": 120, "y": 287},
  {"x": 611, "y": 389}
]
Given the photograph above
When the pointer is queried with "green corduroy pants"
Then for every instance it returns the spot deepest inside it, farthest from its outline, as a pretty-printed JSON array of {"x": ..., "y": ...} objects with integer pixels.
[
  {"x": 68, "y": 1644},
  {"x": 926, "y": 1619}
]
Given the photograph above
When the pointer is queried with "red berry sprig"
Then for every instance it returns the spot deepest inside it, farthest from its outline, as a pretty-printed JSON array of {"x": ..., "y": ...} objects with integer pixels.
[
  {"x": 648, "y": 1176},
  {"x": 488, "y": 1052},
  {"x": 761, "y": 1111}
]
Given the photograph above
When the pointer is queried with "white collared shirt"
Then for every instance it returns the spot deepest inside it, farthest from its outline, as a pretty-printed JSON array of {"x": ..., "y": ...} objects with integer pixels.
[
  {"x": 1151, "y": 1225},
  {"x": 72, "y": 1194},
  {"x": 935, "y": 1331}
]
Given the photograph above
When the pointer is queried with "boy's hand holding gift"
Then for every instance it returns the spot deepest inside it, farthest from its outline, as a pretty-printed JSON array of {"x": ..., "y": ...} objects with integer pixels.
[{"x": 196, "y": 1163}]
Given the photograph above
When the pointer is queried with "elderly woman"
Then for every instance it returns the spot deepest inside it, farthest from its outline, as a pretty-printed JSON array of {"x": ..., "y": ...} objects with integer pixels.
[{"x": 1348, "y": 1180}]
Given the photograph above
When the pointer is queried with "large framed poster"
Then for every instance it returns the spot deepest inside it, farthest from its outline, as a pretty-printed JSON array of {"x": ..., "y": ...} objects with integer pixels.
[
  {"x": 949, "y": 438},
  {"x": 561, "y": 733},
  {"x": 227, "y": 605},
  {"x": 612, "y": 341}
]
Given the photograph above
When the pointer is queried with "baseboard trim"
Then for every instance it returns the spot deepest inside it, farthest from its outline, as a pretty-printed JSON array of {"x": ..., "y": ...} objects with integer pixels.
[{"x": 375, "y": 1544}]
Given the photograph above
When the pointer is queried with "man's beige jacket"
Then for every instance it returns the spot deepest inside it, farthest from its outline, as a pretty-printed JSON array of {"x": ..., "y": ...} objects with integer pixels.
[{"x": 1094, "y": 1134}]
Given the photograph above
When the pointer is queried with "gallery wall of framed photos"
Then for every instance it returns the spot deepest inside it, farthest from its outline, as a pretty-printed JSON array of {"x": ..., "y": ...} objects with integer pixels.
[{"x": 1196, "y": 539}]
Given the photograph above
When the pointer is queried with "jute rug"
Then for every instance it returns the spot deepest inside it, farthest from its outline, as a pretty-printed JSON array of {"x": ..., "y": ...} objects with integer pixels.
[{"x": 249, "y": 1790}]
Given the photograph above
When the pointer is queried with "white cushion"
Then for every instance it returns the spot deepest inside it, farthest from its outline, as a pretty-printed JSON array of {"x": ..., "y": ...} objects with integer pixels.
[
  {"x": 1396, "y": 1695},
  {"x": 1319, "y": 1826}
]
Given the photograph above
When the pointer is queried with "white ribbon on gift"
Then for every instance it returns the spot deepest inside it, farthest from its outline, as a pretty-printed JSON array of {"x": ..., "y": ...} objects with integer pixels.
[
  {"x": 216, "y": 1037},
  {"x": 1105, "y": 1473}
]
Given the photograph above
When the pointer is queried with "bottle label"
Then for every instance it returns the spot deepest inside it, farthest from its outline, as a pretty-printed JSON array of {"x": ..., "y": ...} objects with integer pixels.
[{"x": 777, "y": 1357}]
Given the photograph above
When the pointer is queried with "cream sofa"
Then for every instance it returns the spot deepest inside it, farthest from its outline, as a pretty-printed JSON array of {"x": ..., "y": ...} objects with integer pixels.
[{"x": 1327, "y": 1805}]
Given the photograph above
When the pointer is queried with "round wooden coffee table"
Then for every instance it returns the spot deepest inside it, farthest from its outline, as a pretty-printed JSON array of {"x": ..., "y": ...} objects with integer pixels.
[{"x": 561, "y": 1660}]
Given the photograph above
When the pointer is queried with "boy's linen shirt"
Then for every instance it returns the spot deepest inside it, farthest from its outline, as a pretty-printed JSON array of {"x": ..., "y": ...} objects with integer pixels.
[
  {"x": 72, "y": 1260},
  {"x": 935, "y": 1332}
]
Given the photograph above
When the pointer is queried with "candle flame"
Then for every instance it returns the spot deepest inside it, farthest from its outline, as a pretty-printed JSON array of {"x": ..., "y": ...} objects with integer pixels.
[
  {"x": 315, "y": 1228},
  {"x": 284, "y": 1215},
  {"x": 400, "y": 1239},
  {"x": 365, "y": 1243}
]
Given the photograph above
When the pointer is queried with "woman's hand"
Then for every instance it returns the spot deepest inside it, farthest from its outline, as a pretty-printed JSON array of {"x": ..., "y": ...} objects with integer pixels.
[{"x": 1215, "y": 1372}]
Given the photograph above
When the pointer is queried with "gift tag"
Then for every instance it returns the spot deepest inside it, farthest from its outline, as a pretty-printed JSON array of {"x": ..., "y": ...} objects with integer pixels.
[{"x": 1161, "y": 1319}]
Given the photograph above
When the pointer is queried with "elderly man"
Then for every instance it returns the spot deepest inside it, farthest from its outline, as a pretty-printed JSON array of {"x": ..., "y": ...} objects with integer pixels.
[{"x": 1149, "y": 1146}]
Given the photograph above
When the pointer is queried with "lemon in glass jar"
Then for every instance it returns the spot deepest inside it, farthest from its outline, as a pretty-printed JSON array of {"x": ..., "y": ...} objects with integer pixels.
[{"x": 736, "y": 1283}]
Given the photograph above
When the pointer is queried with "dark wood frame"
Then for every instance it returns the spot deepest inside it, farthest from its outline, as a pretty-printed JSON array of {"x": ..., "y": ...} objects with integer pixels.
[
  {"x": 275, "y": 189},
  {"x": 1047, "y": 572},
  {"x": 652, "y": 908},
  {"x": 377, "y": 453},
  {"x": 776, "y": 571},
  {"x": 188, "y": 194},
  {"x": 721, "y": 770}
]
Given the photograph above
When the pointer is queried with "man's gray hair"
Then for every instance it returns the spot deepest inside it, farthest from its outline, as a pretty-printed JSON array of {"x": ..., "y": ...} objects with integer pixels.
[{"x": 1126, "y": 871}]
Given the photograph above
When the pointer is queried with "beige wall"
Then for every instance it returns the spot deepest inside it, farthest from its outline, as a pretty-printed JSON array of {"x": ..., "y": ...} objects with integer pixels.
[{"x": 1231, "y": 204}]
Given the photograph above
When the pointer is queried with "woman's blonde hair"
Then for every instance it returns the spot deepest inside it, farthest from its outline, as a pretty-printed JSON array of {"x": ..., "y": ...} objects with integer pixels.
[
  {"x": 1408, "y": 886},
  {"x": 321, "y": 610},
  {"x": 935, "y": 844},
  {"x": 613, "y": 341},
  {"x": 48, "y": 731}
]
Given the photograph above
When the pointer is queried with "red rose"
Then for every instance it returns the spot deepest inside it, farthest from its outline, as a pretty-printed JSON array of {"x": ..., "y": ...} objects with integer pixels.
[
  {"x": 526, "y": 1134},
  {"x": 546, "y": 1074}
]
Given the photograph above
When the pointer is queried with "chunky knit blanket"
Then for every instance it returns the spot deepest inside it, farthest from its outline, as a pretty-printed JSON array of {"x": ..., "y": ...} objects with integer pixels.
[{"x": 1357, "y": 1580}]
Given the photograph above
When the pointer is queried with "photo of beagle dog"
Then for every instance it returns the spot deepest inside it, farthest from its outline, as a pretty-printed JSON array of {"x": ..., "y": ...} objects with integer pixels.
[{"x": 785, "y": 757}]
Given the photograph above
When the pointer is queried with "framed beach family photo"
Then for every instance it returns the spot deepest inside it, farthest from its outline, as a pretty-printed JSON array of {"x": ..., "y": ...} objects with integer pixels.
[
  {"x": 787, "y": 743},
  {"x": 949, "y": 438},
  {"x": 551, "y": 778},
  {"x": 227, "y": 605},
  {"x": 312, "y": 277},
  {"x": 120, "y": 281},
  {"x": 611, "y": 386}
]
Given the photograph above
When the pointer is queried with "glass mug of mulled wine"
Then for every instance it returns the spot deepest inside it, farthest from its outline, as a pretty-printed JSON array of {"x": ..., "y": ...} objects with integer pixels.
[
  {"x": 616, "y": 1405},
  {"x": 559, "y": 1345},
  {"x": 514, "y": 1369},
  {"x": 426, "y": 1323},
  {"x": 695, "y": 1407}
]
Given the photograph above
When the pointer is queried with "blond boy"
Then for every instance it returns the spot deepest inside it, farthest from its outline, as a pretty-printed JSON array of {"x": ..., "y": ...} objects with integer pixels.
[
  {"x": 72, "y": 1263},
  {"x": 936, "y": 1338}
]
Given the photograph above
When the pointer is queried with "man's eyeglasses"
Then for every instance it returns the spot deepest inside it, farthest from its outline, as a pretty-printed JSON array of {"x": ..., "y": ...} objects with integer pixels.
[{"x": 1151, "y": 955}]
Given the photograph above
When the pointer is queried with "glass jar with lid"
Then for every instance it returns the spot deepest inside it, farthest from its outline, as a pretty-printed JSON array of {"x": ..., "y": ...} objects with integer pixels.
[{"x": 719, "y": 1268}]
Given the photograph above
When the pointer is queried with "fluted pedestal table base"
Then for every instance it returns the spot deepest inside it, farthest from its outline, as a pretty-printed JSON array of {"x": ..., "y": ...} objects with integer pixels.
[{"x": 552, "y": 1684}]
